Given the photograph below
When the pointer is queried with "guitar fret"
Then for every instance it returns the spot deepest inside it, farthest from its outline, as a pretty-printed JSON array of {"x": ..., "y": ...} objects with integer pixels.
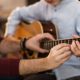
[
  {"x": 70, "y": 41},
  {"x": 59, "y": 41},
  {"x": 55, "y": 42},
  {"x": 49, "y": 44},
  {"x": 62, "y": 41},
  {"x": 65, "y": 41},
  {"x": 78, "y": 39}
]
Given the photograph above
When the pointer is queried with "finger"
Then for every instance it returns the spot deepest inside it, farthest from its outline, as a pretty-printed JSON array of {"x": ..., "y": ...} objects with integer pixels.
[
  {"x": 78, "y": 44},
  {"x": 74, "y": 46},
  {"x": 64, "y": 59},
  {"x": 75, "y": 36},
  {"x": 63, "y": 50},
  {"x": 64, "y": 55},
  {"x": 42, "y": 50},
  {"x": 60, "y": 52},
  {"x": 38, "y": 49},
  {"x": 59, "y": 46},
  {"x": 49, "y": 36},
  {"x": 46, "y": 35}
]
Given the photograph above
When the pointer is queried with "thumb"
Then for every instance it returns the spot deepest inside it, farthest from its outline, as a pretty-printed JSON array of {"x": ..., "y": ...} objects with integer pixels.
[{"x": 38, "y": 49}]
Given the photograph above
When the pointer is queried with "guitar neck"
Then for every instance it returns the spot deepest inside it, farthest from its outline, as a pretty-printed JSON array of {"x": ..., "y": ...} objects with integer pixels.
[{"x": 46, "y": 44}]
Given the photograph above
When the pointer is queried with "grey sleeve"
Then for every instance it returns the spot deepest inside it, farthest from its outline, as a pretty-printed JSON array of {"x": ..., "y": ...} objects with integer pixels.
[
  {"x": 29, "y": 13},
  {"x": 78, "y": 25}
]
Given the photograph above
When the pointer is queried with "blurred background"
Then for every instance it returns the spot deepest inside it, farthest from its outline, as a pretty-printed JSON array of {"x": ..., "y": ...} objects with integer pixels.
[{"x": 6, "y": 6}]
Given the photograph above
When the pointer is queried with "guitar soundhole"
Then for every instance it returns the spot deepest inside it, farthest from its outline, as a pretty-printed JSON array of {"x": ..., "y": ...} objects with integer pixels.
[
  {"x": 49, "y": 27},
  {"x": 42, "y": 55}
]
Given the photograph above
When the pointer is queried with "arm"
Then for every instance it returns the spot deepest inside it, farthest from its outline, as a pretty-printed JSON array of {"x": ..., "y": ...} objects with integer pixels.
[
  {"x": 11, "y": 44},
  {"x": 26, "y": 13},
  {"x": 14, "y": 67},
  {"x": 57, "y": 56}
]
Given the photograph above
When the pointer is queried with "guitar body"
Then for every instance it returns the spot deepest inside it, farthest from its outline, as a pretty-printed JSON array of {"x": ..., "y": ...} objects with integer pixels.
[{"x": 29, "y": 30}]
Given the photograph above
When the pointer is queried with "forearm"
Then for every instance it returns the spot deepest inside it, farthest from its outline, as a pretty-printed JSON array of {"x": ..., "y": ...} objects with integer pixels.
[{"x": 33, "y": 66}]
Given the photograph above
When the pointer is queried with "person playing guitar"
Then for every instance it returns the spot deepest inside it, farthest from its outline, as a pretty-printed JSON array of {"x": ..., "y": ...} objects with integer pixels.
[{"x": 65, "y": 15}]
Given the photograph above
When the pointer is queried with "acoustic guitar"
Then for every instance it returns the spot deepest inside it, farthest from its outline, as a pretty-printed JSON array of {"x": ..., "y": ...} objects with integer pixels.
[{"x": 29, "y": 30}]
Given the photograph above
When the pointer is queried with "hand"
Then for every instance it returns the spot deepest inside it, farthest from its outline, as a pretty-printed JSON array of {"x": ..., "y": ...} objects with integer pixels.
[
  {"x": 34, "y": 42},
  {"x": 59, "y": 54},
  {"x": 75, "y": 47},
  {"x": 10, "y": 45}
]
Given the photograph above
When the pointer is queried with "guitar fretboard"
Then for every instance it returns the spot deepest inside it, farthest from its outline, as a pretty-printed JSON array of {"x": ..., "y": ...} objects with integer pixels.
[{"x": 46, "y": 44}]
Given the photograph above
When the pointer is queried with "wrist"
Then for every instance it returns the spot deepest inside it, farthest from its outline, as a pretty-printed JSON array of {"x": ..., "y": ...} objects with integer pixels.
[
  {"x": 24, "y": 48},
  {"x": 47, "y": 61},
  {"x": 50, "y": 64},
  {"x": 23, "y": 44}
]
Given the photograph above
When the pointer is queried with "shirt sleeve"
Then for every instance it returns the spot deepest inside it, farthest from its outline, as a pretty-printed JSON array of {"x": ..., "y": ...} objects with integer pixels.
[
  {"x": 9, "y": 67},
  {"x": 26, "y": 13},
  {"x": 78, "y": 25}
]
